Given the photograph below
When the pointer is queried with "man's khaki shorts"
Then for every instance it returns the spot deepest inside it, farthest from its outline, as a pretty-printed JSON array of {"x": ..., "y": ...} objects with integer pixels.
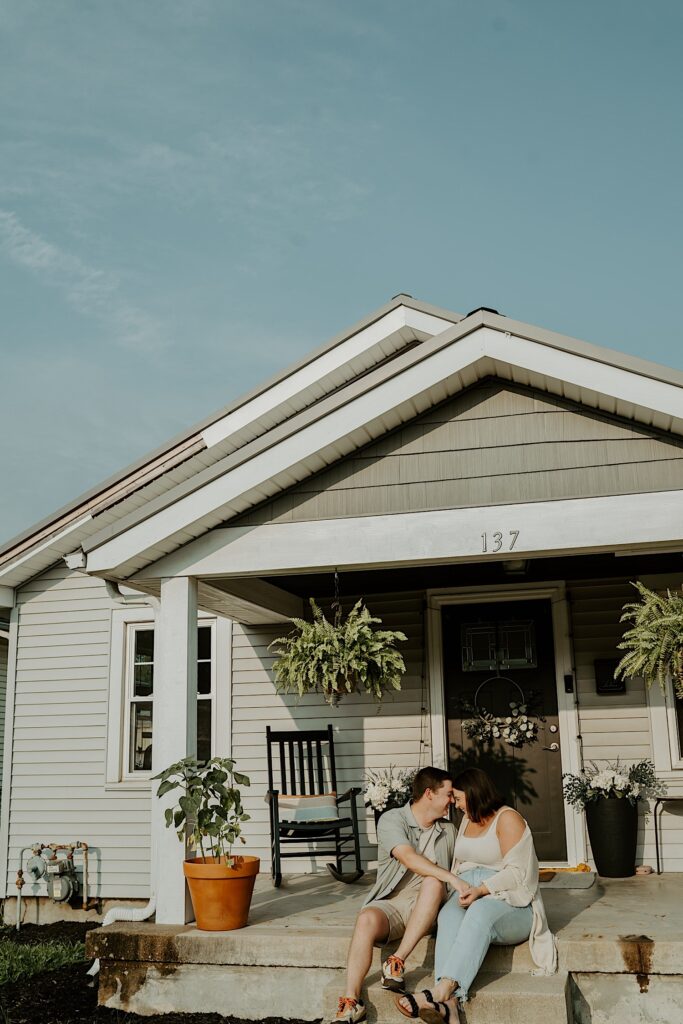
[{"x": 397, "y": 911}]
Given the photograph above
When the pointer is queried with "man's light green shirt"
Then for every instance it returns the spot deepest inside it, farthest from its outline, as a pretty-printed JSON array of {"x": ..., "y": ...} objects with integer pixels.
[{"x": 399, "y": 827}]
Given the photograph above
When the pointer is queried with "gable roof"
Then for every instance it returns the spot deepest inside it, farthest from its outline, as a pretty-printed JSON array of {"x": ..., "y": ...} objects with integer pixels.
[
  {"x": 391, "y": 366},
  {"x": 376, "y": 338},
  {"x": 480, "y": 345}
]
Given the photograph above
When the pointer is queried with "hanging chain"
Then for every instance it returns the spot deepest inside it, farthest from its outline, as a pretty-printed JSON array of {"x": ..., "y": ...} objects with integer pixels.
[{"x": 336, "y": 604}]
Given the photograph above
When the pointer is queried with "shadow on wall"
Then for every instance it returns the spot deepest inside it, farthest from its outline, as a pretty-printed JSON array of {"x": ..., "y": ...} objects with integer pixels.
[{"x": 509, "y": 770}]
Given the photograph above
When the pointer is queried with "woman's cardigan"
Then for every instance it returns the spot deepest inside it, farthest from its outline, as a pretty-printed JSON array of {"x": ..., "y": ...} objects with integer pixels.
[{"x": 517, "y": 882}]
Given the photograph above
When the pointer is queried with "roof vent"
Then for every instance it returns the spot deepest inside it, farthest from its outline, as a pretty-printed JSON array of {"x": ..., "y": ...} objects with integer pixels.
[{"x": 484, "y": 309}]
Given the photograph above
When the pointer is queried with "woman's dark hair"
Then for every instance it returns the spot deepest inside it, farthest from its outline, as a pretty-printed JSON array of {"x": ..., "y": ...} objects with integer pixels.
[{"x": 483, "y": 799}]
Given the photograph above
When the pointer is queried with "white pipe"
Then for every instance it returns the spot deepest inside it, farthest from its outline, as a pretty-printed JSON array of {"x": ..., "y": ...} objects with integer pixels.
[{"x": 125, "y": 914}]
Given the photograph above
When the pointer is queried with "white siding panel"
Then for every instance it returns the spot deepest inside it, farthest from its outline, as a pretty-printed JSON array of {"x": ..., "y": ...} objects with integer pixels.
[
  {"x": 367, "y": 736},
  {"x": 59, "y": 744},
  {"x": 3, "y": 693},
  {"x": 617, "y": 726}
]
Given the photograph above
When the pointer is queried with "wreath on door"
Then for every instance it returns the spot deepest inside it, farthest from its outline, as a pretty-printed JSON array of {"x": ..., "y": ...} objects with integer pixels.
[{"x": 518, "y": 729}]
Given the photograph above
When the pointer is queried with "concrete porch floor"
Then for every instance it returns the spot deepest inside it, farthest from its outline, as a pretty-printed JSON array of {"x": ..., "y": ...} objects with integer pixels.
[{"x": 289, "y": 961}]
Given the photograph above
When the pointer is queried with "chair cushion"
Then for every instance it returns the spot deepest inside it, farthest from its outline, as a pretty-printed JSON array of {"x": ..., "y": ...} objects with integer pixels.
[{"x": 299, "y": 807}]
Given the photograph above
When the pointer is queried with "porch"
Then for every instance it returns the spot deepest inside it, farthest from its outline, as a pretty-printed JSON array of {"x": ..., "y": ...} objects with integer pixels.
[{"x": 621, "y": 950}]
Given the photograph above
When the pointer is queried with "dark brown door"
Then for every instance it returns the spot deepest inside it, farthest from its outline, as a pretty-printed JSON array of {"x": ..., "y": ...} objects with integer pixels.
[{"x": 496, "y": 654}]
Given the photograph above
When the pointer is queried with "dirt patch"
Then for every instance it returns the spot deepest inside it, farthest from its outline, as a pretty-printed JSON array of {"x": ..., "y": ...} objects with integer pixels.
[
  {"x": 58, "y": 931},
  {"x": 636, "y": 952},
  {"x": 69, "y": 996}
]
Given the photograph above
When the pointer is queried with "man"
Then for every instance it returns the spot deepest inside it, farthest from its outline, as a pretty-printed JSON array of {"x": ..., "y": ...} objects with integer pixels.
[{"x": 415, "y": 854}]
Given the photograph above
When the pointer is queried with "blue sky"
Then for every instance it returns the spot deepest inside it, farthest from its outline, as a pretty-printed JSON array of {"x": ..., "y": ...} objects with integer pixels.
[{"x": 193, "y": 194}]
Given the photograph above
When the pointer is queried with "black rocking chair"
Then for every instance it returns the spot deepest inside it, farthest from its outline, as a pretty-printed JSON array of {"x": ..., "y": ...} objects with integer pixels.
[{"x": 302, "y": 754}]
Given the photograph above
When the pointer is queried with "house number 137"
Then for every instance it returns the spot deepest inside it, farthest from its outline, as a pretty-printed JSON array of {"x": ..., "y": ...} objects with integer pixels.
[{"x": 497, "y": 541}]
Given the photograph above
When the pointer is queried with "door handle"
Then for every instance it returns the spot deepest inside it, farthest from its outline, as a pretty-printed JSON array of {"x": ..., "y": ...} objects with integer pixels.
[{"x": 553, "y": 747}]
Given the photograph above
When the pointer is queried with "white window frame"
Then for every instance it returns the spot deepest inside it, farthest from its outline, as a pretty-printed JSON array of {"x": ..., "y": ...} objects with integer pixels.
[
  {"x": 666, "y": 740},
  {"x": 118, "y": 777},
  {"x": 129, "y": 698}
]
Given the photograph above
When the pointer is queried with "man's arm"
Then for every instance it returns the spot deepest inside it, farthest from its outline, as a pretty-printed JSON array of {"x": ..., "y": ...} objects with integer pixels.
[{"x": 420, "y": 865}]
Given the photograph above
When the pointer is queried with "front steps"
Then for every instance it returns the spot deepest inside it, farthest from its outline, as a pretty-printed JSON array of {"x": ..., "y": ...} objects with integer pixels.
[{"x": 495, "y": 998}]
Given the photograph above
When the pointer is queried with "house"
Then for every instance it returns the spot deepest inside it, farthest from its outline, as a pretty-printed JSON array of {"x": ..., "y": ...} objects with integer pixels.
[{"x": 489, "y": 487}]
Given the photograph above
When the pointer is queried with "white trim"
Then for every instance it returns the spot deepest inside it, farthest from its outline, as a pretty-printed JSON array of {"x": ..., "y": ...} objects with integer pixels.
[
  {"x": 116, "y": 777},
  {"x": 383, "y": 332},
  {"x": 11, "y": 566},
  {"x": 223, "y": 702},
  {"x": 665, "y": 738},
  {"x": 7, "y": 597},
  {"x": 8, "y": 741},
  {"x": 442, "y": 370},
  {"x": 422, "y": 538},
  {"x": 570, "y": 752}
]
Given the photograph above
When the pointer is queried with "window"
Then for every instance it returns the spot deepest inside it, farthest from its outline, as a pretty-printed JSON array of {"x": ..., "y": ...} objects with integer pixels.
[
  {"x": 666, "y": 717},
  {"x": 139, "y": 690},
  {"x": 132, "y": 686}
]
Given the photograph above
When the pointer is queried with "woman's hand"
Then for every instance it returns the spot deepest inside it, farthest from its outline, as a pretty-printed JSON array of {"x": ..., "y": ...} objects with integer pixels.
[{"x": 470, "y": 894}]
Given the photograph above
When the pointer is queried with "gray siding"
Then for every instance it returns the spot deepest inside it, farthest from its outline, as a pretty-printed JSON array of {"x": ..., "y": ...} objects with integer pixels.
[
  {"x": 494, "y": 444},
  {"x": 59, "y": 741},
  {"x": 3, "y": 695},
  {"x": 365, "y": 736},
  {"x": 617, "y": 726}
]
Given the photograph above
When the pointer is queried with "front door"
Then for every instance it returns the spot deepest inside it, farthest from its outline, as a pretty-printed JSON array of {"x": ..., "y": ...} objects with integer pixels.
[{"x": 497, "y": 655}]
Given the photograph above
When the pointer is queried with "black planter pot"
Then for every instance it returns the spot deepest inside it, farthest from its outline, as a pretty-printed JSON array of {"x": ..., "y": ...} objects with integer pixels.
[{"x": 613, "y": 830}]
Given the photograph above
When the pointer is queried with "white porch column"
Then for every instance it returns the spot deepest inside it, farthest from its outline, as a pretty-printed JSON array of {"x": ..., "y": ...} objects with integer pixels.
[{"x": 175, "y": 735}]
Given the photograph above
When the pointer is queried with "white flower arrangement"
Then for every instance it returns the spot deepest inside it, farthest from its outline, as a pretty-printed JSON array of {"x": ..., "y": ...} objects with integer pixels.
[
  {"x": 635, "y": 782},
  {"x": 518, "y": 728},
  {"x": 388, "y": 787}
]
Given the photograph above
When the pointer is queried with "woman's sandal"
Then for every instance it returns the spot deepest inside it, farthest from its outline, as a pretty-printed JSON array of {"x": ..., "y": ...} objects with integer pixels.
[
  {"x": 433, "y": 1014},
  {"x": 415, "y": 1011}
]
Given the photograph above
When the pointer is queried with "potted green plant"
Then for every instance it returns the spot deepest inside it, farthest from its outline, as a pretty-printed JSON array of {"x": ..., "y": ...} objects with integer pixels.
[
  {"x": 343, "y": 656},
  {"x": 609, "y": 794},
  {"x": 209, "y": 814},
  {"x": 654, "y": 643}
]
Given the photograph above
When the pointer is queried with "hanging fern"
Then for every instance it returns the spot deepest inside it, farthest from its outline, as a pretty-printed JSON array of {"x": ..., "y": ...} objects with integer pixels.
[
  {"x": 654, "y": 644},
  {"x": 339, "y": 657}
]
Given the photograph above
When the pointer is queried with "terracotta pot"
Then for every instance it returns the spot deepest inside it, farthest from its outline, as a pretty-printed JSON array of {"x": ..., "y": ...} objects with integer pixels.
[{"x": 221, "y": 895}]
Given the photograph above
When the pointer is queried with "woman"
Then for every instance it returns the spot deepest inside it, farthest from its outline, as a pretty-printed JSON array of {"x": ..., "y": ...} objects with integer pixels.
[{"x": 498, "y": 900}]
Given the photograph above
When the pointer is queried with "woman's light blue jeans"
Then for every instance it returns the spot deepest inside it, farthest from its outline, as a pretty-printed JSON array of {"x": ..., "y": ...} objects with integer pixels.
[{"x": 464, "y": 934}]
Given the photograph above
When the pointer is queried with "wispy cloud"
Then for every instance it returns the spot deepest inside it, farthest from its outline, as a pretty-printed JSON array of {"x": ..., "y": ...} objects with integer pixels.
[{"x": 90, "y": 291}]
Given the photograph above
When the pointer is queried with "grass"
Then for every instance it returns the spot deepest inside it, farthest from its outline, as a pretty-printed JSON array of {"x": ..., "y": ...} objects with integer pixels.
[{"x": 19, "y": 962}]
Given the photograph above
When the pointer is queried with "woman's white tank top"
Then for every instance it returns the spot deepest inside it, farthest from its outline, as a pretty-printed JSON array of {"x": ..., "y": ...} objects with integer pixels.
[{"x": 482, "y": 850}]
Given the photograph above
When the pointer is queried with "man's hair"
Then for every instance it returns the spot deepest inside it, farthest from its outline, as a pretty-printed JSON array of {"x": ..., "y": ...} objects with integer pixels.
[
  {"x": 429, "y": 778},
  {"x": 481, "y": 795}
]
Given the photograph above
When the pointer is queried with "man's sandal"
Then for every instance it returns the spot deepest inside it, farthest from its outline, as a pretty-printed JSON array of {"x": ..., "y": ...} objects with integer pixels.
[
  {"x": 350, "y": 1011},
  {"x": 414, "y": 1011},
  {"x": 393, "y": 973}
]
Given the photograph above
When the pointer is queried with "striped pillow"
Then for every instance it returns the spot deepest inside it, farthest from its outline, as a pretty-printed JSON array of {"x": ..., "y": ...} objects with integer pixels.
[{"x": 298, "y": 807}]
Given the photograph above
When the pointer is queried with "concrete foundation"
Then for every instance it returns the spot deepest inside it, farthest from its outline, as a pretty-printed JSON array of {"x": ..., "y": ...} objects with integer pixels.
[{"x": 620, "y": 941}]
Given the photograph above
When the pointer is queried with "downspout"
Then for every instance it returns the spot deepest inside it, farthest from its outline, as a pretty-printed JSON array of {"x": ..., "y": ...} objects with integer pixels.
[{"x": 129, "y": 913}]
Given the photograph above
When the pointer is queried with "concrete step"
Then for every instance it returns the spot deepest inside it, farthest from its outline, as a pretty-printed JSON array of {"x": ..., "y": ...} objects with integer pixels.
[{"x": 495, "y": 998}]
